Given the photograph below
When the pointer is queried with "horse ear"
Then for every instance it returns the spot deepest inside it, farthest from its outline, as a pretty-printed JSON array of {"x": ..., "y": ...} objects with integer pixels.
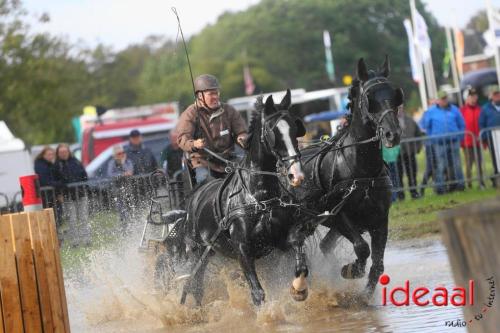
[
  {"x": 362, "y": 72},
  {"x": 399, "y": 99},
  {"x": 286, "y": 101},
  {"x": 301, "y": 129},
  {"x": 386, "y": 67},
  {"x": 269, "y": 106}
]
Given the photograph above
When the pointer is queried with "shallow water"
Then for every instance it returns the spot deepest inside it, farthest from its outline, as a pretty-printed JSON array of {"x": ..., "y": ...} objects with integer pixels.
[{"x": 114, "y": 293}]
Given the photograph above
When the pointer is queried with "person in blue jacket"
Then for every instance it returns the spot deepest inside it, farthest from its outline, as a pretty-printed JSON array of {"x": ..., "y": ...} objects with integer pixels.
[
  {"x": 439, "y": 121},
  {"x": 489, "y": 118}
]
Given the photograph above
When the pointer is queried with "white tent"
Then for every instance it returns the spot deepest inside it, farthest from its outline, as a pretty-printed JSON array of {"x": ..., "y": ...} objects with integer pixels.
[
  {"x": 14, "y": 162},
  {"x": 7, "y": 140}
]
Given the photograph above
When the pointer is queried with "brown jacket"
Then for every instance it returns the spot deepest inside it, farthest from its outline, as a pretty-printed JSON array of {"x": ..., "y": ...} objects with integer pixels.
[{"x": 219, "y": 129}]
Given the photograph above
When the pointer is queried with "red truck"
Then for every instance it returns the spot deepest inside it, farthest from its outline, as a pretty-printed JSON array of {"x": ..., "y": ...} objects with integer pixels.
[{"x": 114, "y": 126}]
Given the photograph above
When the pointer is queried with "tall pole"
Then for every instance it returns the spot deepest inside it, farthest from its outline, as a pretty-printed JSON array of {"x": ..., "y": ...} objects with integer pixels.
[
  {"x": 454, "y": 73},
  {"x": 418, "y": 60},
  {"x": 491, "y": 24},
  {"x": 432, "y": 77}
]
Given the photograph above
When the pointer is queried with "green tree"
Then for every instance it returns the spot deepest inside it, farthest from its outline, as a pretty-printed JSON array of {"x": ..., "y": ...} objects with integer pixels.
[
  {"x": 41, "y": 84},
  {"x": 283, "y": 44}
]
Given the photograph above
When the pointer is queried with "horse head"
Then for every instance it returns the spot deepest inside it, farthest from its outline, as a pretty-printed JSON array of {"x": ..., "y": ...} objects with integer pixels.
[
  {"x": 278, "y": 132},
  {"x": 378, "y": 101}
]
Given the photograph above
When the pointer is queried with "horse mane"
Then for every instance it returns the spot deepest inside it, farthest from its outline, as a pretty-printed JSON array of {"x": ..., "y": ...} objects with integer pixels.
[
  {"x": 255, "y": 119},
  {"x": 352, "y": 96}
]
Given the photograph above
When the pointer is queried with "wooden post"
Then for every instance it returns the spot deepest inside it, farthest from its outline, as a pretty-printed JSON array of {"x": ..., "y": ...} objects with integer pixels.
[
  {"x": 471, "y": 234},
  {"x": 32, "y": 295}
]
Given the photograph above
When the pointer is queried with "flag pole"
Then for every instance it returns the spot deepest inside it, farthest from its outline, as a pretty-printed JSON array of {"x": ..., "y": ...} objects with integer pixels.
[
  {"x": 418, "y": 60},
  {"x": 432, "y": 77},
  {"x": 330, "y": 68},
  {"x": 489, "y": 9},
  {"x": 454, "y": 74}
]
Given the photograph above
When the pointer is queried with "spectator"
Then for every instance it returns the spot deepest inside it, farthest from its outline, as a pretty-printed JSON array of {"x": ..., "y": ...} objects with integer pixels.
[
  {"x": 430, "y": 165},
  {"x": 142, "y": 158},
  {"x": 120, "y": 167},
  {"x": 171, "y": 156},
  {"x": 44, "y": 168},
  {"x": 69, "y": 170},
  {"x": 407, "y": 162},
  {"x": 490, "y": 117},
  {"x": 441, "y": 119},
  {"x": 470, "y": 111},
  {"x": 390, "y": 156}
]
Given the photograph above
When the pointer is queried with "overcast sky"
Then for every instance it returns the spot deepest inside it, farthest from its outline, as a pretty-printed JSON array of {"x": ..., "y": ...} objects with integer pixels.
[{"x": 122, "y": 22}]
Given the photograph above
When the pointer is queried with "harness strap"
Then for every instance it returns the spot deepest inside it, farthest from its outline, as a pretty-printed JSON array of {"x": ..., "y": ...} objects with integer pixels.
[
  {"x": 382, "y": 182},
  {"x": 329, "y": 147},
  {"x": 218, "y": 197}
]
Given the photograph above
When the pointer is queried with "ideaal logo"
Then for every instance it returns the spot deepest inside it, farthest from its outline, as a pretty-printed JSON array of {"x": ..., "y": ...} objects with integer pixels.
[{"x": 440, "y": 296}]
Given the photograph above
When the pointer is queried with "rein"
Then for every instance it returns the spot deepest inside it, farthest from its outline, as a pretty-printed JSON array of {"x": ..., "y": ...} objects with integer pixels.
[
  {"x": 231, "y": 166},
  {"x": 330, "y": 146}
]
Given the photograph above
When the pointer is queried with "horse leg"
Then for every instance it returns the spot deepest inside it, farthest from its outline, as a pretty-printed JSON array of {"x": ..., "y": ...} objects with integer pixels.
[
  {"x": 247, "y": 263},
  {"x": 296, "y": 239},
  {"x": 194, "y": 285},
  {"x": 356, "y": 269},
  {"x": 299, "y": 288},
  {"x": 329, "y": 242},
  {"x": 379, "y": 240}
]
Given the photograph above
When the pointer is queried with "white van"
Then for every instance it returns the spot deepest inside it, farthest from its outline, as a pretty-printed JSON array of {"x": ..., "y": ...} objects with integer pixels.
[{"x": 15, "y": 162}]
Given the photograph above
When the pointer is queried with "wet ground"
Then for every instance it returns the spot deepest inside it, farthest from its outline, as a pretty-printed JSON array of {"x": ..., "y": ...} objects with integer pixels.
[{"x": 114, "y": 294}]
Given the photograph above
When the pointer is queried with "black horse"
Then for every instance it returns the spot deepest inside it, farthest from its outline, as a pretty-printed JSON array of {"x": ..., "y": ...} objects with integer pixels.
[
  {"x": 243, "y": 216},
  {"x": 347, "y": 179}
]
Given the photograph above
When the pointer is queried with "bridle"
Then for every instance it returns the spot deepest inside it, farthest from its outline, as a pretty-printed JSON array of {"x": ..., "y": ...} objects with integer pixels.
[
  {"x": 364, "y": 89},
  {"x": 267, "y": 138},
  {"x": 364, "y": 107}
]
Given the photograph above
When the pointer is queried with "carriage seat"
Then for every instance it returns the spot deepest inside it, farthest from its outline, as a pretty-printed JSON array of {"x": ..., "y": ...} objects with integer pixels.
[{"x": 172, "y": 216}]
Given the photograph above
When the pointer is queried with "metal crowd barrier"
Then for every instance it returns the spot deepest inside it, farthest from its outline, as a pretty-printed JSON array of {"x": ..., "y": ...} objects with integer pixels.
[
  {"x": 4, "y": 209},
  {"x": 439, "y": 158},
  {"x": 417, "y": 165},
  {"x": 491, "y": 139},
  {"x": 75, "y": 204}
]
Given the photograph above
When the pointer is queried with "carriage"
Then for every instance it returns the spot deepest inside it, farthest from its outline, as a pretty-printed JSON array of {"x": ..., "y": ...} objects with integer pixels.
[{"x": 165, "y": 210}]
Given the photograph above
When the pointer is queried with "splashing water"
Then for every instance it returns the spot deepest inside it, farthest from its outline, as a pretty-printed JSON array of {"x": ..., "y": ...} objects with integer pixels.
[{"x": 114, "y": 292}]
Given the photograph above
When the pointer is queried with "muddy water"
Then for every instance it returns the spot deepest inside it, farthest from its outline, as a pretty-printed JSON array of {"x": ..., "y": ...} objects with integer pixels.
[{"x": 114, "y": 294}]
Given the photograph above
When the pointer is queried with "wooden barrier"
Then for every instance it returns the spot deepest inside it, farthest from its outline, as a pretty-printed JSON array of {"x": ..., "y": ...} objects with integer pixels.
[
  {"x": 32, "y": 295},
  {"x": 471, "y": 234}
]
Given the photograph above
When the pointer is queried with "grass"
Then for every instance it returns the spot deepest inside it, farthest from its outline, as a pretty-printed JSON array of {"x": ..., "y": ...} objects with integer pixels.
[
  {"x": 104, "y": 233},
  {"x": 418, "y": 218}
]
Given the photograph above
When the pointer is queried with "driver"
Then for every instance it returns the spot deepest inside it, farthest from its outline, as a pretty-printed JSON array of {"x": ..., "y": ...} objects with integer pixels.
[{"x": 208, "y": 123}]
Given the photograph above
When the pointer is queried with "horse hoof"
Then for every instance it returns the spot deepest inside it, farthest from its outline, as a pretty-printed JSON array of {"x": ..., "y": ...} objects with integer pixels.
[
  {"x": 350, "y": 271},
  {"x": 299, "y": 295}
]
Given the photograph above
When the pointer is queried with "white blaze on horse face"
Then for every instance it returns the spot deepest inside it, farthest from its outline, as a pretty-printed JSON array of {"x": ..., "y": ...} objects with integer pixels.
[{"x": 295, "y": 169}]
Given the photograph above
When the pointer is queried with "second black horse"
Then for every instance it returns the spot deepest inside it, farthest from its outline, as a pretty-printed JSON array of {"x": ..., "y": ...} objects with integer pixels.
[{"x": 346, "y": 177}]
